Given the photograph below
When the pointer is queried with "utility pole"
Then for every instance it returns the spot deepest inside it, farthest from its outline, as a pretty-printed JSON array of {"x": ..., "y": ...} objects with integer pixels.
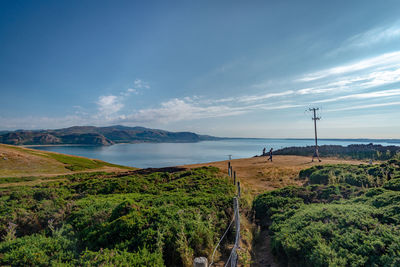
[{"x": 315, "y": 118}]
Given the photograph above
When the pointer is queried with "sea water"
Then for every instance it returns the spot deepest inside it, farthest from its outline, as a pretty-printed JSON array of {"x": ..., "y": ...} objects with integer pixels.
[{"x": 145, "y": 155}]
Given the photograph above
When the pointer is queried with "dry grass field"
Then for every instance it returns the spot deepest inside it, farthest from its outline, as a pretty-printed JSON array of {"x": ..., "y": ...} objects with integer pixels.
[
  {"x": 20, "y": 162},
  {"x": 257, "y": 174}
]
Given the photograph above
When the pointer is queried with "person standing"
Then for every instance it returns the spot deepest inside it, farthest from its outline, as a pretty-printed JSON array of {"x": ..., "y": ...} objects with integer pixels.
[
  {"x": 270, "y": 154},
  {"x": 264, "y": 151}
]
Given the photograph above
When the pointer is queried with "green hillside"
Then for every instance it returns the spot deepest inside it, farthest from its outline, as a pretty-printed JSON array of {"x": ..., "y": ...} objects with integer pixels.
[{"x": 93, "y": 219}]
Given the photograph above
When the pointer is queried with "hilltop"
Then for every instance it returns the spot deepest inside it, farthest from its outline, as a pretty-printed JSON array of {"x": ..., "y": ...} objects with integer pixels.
[
  {"x": 17, "y": 162},
  {"x": 100, "y": 136}
]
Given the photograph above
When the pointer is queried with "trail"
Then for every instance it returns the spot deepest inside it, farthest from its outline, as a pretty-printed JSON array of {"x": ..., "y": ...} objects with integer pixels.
[
  {"x": 258, "y": 175},
  {"x": 262, "y": 255}
]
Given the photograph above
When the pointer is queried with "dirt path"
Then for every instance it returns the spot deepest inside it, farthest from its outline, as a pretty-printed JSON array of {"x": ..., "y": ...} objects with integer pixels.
[{"x": 262, "y": 254}]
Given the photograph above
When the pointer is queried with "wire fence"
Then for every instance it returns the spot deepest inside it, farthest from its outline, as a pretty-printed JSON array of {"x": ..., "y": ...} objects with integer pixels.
[{"x": 233, "y": 257}]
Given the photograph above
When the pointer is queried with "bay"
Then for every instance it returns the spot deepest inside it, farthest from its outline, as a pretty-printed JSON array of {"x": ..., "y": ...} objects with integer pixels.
[{"x": 145, "y": 155}]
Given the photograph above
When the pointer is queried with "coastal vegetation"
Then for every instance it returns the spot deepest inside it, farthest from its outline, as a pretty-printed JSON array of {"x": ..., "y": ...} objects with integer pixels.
[
  {"x": 102, "y": 219},
  {"x": 334, "y": 213},
  {"x": 369, "y": 151},
  {"x": 346, "y": 215}
]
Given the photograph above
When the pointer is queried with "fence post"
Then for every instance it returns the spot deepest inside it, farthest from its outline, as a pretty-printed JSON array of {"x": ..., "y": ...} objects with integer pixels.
[
  {"x": 234, "y": 259},
  {"x": 229, "y": 168},
  {"x": 234, "y": 177},
  {"x": 237, "y": 222},
  {"x": 238, "y": 187},
  {"x": 200, "y": 262}
]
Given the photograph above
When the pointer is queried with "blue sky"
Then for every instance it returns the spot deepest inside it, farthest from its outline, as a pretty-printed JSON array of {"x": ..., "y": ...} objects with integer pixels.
[{"x": 226, "y": 68}]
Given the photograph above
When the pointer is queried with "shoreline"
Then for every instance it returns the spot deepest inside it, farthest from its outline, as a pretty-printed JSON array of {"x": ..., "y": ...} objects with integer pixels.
[
  {"x": 389, "y": 142},
  {"x": 29, "y": 146}
]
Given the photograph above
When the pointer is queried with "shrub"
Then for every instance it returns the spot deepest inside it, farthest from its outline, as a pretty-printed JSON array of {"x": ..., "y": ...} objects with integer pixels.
[
  {"x": 393, "y": 184},
  {"x": 38, "y": 250},
  {"x": 332, "y": 225},
  {"x": 330, "y": 234},
  {"x": 113, "y": 257},
  {"x": 135, "y": 220}
]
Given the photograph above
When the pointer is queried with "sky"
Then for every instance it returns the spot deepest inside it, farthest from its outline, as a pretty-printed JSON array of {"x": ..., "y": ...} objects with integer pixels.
[{"x": 224, "y": 68}]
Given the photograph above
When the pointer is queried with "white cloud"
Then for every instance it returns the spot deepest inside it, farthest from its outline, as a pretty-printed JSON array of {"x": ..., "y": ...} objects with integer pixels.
[
  {"x": 109, "y": 105},
  {"x": 374, "y": 36},
  {"x": 254, "y": 98},
  {"x": 129, "y": 91},
  {"x": 191, "y": 109},
  {"x": 387, "y": 60},
  {"x": 378, "y": 71},
  {"x": 140, "y": 84},
  {"x": 179, "y": 109},
  {"x": 32, "y": 122},
  {"x": 366, "y": 106},
  {"x": 376, "y": 94}
]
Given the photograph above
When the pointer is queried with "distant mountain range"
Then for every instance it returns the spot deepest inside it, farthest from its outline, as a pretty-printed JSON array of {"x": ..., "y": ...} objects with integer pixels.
[{"x": 101, "y": 136}]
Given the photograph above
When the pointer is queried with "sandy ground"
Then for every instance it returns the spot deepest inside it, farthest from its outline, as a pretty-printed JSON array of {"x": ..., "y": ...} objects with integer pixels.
[{"x": 257, "y": 174}]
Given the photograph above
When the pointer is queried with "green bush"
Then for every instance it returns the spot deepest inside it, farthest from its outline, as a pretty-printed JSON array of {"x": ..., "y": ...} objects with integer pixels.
[
  {"x": 357, "y": 175},
  {"x": 113, "y": 257},
  {"x": 39, "y": 250},
  {"x": 136, "y": 220},
  {"x": 336, "y": 221},
  {"x": 337, "y": 235},
  {"x": 393, "y": 184}
]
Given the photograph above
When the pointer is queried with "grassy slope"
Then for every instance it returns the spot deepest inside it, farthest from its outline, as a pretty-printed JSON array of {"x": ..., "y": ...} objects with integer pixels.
[{"x": 18, "y": 161}]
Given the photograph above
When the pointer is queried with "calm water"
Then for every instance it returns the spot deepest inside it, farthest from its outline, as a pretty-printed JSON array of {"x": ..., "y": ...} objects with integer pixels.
[{"x": 172, "y": 154}]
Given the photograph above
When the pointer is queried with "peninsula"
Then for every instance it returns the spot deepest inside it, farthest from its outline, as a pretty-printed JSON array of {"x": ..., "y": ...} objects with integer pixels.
[{"x": 99, "y": 136}]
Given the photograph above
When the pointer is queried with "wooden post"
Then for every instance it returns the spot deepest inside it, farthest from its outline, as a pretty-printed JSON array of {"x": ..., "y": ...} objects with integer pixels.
[
  {"x": 234, "y": 177},
  {"x": 237, "y": 222},
  {"x": 200, "y": 262},
  {"x": 234, "y": 258},
  {"x": 238, "y": 187},
  {"x": 229, "y": 168}
]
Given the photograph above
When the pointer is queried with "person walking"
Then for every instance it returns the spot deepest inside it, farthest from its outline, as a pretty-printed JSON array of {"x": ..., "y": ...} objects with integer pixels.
[{"x": 270, "y": 154}]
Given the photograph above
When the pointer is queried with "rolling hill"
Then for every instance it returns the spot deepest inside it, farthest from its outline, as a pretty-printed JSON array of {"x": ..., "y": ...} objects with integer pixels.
[
  {"x": 91, "y": 135},
  {"x": 17, "y": 162}
]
